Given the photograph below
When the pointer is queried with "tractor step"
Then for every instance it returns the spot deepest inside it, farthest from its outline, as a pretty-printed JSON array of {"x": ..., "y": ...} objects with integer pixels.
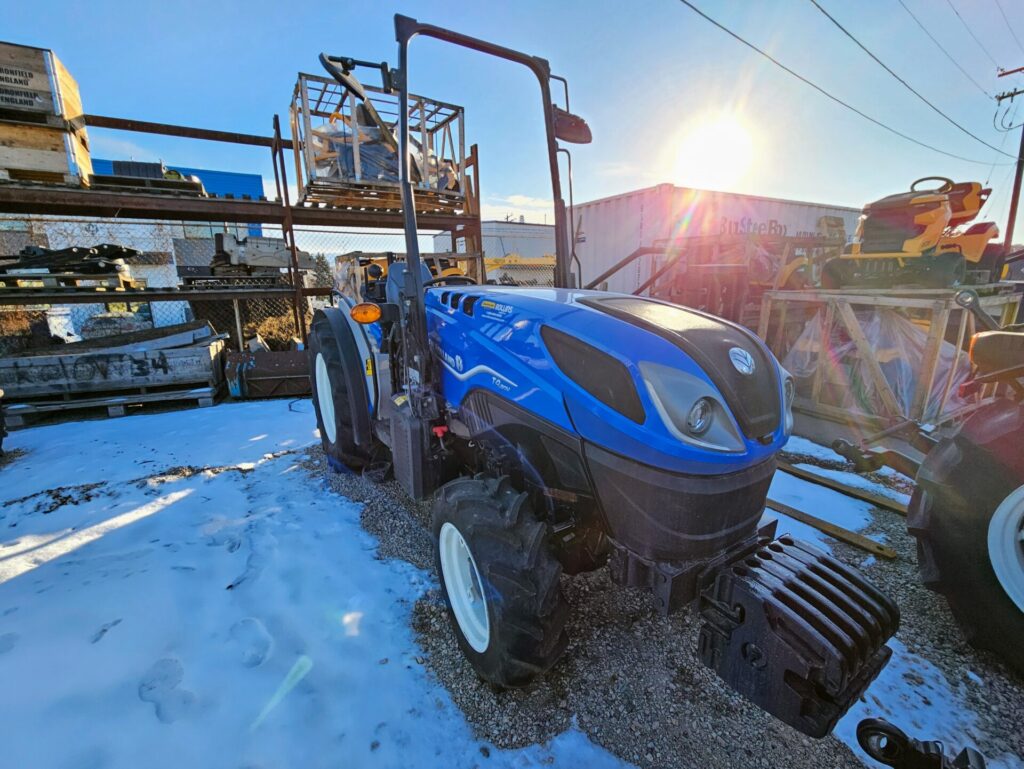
[{"x": 798, "y": 633}]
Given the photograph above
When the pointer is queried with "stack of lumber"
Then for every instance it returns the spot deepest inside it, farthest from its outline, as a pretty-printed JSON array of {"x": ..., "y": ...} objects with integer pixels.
[
  {"x": 42, "y": 129},
  {"x": 172, "y": 363}
]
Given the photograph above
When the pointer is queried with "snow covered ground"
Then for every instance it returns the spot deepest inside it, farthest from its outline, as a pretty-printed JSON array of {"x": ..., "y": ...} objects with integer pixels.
[
  {"x": 228, "y": 618},
  {"x": 196, "y": 600}
]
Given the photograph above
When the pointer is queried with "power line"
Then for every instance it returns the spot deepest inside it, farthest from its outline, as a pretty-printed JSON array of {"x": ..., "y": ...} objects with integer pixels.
[
  {"x": 1008, "y": 27},
  {"x": 942, "y": 48},
  {"x": 825, "y": 93},
  {"x": 903, "y": 82},
  {"x": 971, "y": 33}
]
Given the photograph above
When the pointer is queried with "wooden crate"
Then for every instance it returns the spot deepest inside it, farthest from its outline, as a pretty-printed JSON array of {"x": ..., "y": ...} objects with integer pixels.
[
  {"x": 783, "y": 312},
  {"x": 46, "y": 376},
  {"x": 42, "y": 131}
]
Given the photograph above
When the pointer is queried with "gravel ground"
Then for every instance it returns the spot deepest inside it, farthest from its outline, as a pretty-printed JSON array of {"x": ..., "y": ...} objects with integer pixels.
[{"x": 630, "y": 680}]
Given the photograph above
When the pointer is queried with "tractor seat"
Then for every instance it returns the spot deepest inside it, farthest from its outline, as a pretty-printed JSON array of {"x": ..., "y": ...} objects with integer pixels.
[
  {"x": 997, "y": 350},
  {"x": 905, "y": 200},
  {"x": 965, "y": 201}
]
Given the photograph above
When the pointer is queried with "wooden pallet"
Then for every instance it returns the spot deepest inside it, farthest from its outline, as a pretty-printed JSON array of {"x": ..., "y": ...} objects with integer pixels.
[
  {"x": 30, "y": 176},
  {"x": 378, "y": 197},
  {"x": 116, "y": 405}
]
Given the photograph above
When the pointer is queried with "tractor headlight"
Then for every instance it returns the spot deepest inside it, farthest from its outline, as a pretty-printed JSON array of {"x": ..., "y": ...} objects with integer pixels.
[
  {"x": 691, "y": 408},
  {"x": 699, "y": 419}
]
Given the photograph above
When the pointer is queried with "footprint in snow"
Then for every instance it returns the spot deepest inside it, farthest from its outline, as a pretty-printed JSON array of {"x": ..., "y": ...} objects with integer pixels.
[
  {"x": 98, "y": 635},
  {"x": 253, "y": 641},
  {"x": 160, "y": 686}
]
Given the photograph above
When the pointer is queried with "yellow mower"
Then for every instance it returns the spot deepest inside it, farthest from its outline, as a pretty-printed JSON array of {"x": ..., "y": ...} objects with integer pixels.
[{"x": 915, "y": 238}]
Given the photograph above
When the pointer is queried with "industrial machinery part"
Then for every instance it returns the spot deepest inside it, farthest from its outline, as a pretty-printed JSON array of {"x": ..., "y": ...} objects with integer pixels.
[
  {"x": 365, "y": 273},
  {"x": 105, "y": 258},
  {"x": 915, "y": 238},
  {"x": 967, "y": 512},
  {"x": 559, "y": 429},
  {"x": 888, "y": 745},
  {"x": 254, "y": 256}
]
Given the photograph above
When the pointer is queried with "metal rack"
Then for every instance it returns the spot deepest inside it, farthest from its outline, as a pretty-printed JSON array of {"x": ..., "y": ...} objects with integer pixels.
[{"x": 463, "y": 223}]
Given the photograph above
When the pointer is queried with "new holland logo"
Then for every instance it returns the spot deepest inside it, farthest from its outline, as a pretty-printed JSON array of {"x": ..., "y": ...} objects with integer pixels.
[{"x": 742, "y": 360}]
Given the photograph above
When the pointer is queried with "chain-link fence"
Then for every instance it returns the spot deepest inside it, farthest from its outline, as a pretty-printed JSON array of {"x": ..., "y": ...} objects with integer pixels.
[{"x": 169, "y": 257}]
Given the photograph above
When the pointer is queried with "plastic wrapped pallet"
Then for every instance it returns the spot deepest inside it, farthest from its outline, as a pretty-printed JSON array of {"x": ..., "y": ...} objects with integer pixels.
[{"x": 899, "y": 347}]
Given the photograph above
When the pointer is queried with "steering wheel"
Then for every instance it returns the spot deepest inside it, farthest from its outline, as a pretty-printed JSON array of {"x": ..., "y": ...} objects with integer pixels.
[
  {"x": 462, "y": 280},
  {"x": 946, "y": 186}
]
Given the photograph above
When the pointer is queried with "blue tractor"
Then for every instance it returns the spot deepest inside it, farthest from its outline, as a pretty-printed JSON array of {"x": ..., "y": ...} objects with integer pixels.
[{"x": 559, "y": 430}]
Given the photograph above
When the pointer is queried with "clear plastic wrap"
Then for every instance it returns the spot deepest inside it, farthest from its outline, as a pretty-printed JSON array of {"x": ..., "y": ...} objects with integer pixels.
[{"x": 898, "y": 344}]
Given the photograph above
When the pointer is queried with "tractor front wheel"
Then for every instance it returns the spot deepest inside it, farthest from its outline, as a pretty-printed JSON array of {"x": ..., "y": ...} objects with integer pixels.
[
  {"x": 499, "y": 579},
  {"x": 331, "y": 400},
  {"x": 967, "y": 515}
]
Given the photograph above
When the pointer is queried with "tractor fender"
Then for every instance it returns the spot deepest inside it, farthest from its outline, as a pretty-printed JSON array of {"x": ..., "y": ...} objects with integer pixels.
[{"x": 359, "y": 404}]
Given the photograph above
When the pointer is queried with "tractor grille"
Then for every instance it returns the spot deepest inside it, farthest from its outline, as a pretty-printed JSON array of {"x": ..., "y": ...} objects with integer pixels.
[{"x": 886, "y": 231}]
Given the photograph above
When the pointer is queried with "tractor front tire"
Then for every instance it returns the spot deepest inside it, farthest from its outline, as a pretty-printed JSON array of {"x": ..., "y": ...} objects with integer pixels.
[
  {"x": 967, "y": 514},
  {"x": 499, "y": 579},
  {"x": 331, "y": 397}
]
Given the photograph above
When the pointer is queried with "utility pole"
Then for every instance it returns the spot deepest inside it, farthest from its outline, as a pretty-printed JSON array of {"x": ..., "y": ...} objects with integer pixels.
[{"x": 1015, "y": 197}]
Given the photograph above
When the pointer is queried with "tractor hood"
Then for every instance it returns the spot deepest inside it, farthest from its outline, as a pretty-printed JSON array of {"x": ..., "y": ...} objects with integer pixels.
[
  {"x": 732, "y": 357},
  {"x": 625, "y": 373}
]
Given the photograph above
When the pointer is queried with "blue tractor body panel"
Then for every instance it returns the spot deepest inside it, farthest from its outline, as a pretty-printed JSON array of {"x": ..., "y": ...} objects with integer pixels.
[{"x": 490, "y": 338}]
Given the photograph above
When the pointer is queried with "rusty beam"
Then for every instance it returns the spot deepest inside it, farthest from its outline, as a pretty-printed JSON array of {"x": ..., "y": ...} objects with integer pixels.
[
  {"x": 42, "y": 296},
  {"x": 184, "y": 132},
  {"x": 66, "y": 201}
]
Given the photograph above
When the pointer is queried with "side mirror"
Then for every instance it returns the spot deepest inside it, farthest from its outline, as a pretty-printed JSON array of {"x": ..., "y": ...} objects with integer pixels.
[
  {"x": 336, "y": 68},
  {"x": 571, "y": 128}
]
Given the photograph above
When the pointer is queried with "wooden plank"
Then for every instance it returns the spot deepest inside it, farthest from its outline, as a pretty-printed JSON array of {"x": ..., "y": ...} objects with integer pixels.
[
  {"x": 25, "y": 80},
  {"x": 838, "y": 532},
  {"x": 766, "y": 314},
  {"x": 929, "y": 362},
  {"x": 33, "y": 137},
  {"x": 18, "y": 411},
  {"x": 93, "y": 371},
  {"x": 34, "y": 160},
  {"x": 878, "y": 500},
  {"x": 825, "y": 333},
  {"x": 867, "y": 357}
]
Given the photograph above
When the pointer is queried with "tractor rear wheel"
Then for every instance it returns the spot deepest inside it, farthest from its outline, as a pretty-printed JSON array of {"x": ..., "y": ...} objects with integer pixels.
[
  {"x": 331, "y": 400},
  {"x": 967, "y": 515},
  {"x": 499, "y": 579}
]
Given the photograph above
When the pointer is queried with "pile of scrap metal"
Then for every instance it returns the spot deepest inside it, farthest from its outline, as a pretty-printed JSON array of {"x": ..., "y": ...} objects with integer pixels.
[
  {"x": 254, "y": 256},
  {"x": 364, "y": 273},
  {"x": 105, "y": 258}
]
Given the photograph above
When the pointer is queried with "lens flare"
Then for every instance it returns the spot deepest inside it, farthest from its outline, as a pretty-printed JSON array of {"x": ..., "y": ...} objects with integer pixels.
[{"x": 715, "y": 152}]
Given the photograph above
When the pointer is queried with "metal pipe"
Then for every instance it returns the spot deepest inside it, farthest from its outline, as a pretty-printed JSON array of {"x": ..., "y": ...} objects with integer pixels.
[
  {"x": 642, "y": 251},
  {"x": 407, "y": 28}
]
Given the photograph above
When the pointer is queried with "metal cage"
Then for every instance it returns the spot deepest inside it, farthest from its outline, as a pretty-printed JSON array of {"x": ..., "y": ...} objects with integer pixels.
[{"x": 345, "y": 157}]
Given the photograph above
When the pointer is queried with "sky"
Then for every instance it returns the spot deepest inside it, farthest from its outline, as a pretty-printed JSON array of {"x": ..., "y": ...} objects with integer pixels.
[{"x": 669, "y": 98}]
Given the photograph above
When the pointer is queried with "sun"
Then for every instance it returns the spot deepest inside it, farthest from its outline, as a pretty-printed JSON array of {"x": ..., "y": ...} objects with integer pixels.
[{"x": 714, "y": 152}]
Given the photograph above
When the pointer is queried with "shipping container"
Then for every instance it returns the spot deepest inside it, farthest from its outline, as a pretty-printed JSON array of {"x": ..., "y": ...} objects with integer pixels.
[{"x": 610, "y": 229}]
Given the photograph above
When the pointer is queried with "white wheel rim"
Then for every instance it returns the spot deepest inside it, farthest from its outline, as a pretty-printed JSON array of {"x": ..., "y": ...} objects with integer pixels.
[
  {"x": 1006, "y": 546},
  {"x": 325, "y": 398},
  {"x": 465, "y": 588}
]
